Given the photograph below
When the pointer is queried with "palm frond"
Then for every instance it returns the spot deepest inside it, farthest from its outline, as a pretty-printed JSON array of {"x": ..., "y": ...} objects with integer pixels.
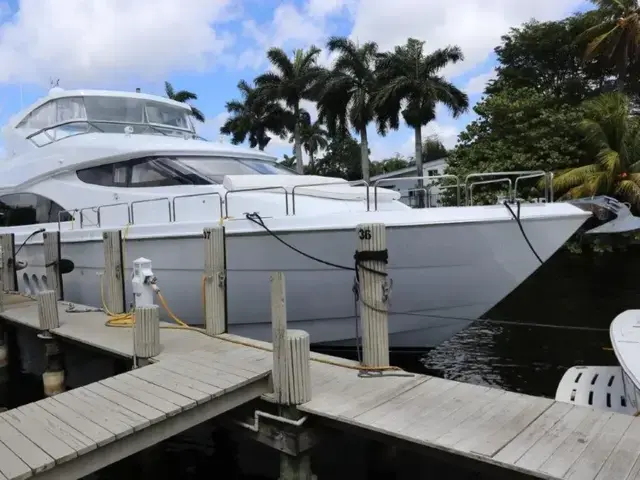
[{"x": 168, "y": 90}]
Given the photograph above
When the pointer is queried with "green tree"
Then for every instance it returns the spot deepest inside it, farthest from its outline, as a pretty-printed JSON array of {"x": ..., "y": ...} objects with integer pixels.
[
  {"x": 183, "y": 96},
  {"x": 518, "y": 130},
  {"x": 410, "y": 84},
  {"x": 616, "y": 36},
  {"x": 613, "y": 141},
  {"x": 255, "y": 117},
  {"x": 545, "y": 56},
  {"x": 347, "y": 98},
  {"x": 292, "y": 81},
  {"x": 341, "y": 159},
  {"x": 314, "y": 138},
  {"x": 433, "y": 149}
]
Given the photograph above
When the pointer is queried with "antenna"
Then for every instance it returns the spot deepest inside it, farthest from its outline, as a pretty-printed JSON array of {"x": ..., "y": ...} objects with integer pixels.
[{"x": 54, "y": 83}]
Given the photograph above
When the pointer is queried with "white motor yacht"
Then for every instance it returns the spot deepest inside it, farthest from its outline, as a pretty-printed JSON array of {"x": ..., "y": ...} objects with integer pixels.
[{"x": 85, "y": 161}]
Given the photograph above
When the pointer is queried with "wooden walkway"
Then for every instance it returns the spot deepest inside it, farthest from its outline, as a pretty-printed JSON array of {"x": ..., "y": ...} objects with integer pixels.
[
  {"x": 197, "y": 377},
  {"x": 531, "y": 435},
  {"x": 87, "y": 428}
]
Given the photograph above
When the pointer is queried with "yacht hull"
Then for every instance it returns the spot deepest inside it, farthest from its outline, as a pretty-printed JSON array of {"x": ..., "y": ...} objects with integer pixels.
[{"x": 444, "y": 275}]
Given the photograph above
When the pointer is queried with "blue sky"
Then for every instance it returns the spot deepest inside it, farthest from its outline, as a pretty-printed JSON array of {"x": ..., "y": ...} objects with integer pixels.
[{"x": 207, "y": 46}]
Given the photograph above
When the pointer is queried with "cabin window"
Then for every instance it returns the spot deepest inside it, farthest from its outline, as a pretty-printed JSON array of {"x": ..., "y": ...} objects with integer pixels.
[
  {"x": 29, "y": 209},
  {"x": 432, "y": 173},
  {"x": 170, "y": 171},
  {"x": 54, "y": 112}
]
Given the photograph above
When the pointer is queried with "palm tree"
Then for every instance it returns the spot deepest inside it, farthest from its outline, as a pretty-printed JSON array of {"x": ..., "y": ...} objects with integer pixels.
[
  {"x": 183, "y": 96},
  {"x": 616, "y": 36},
  {"x": 254, "y": 117},
  {"x": 349, "y": 92},
  {"x": 314, "y": 137},
  {"x": 410, "y": 84},
  {"x": 612, "y": 135},
  {"x": 292, "y": 81}
]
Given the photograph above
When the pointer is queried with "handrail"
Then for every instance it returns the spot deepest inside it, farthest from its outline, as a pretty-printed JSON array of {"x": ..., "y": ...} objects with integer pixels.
[
  {"x": 523, "y": 173},
  {"x": 425, "y": 190},
  {"x": 534, "y": 174},
  {"x": 70, "y": 212},
  {"x": 423, "y": 177},
  {"x": 148, "y": 200},
  {"x": 469, "y": 199},
  {"x": 258, "y": 189},
  {"x": 190, "y": 195},
  {"x": 114, "y": 205},
  {"x": 353, "y": 183},
  {"x": 82, "y": 210}
]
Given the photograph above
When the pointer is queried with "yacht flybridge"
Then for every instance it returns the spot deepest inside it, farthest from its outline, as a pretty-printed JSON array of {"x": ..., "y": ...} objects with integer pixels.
[{"x": 85, "y": 161}]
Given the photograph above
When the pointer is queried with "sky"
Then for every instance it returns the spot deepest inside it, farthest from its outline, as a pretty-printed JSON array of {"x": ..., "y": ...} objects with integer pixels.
[{"x": 207, "y": 46}]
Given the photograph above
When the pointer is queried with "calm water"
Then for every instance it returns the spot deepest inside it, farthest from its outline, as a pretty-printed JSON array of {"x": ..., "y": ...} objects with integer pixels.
[{"x": 568, "y": 290}]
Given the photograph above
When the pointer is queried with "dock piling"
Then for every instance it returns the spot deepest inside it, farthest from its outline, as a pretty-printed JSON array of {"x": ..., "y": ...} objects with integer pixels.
[
  {"x": 7, "y": 263},
  {"x": 291, "y": 376},
  {"x": 113, "y": 281},
  {"x": 146, "y": 331},
  {"x": 48, "y": 310},
  {"x": 52, "y": 262},
  {"x": 215, "y": 282},
  {"x": 371, "y": 256}
]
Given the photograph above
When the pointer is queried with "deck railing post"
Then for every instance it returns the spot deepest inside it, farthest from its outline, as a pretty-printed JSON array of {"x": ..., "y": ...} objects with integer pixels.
[
  {"x": 215, "y": 280},
  {"x": 291, "y": 374},
  {"x": 7, "y": 263},
  {"x": 371, "y": 258},
  {"x": 112, "y": 284}
]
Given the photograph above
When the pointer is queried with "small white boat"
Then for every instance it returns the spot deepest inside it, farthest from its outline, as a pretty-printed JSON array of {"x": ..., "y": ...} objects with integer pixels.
[{"x": 612, "y": 388}]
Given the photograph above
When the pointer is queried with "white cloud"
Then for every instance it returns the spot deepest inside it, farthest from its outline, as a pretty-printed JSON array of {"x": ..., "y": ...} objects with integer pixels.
[
  {"x": 210, "y": 129},
  {"x": 474, "y": 25},
  {"x": 101, "y": 40},
  {"x": 478, "y": 83}
]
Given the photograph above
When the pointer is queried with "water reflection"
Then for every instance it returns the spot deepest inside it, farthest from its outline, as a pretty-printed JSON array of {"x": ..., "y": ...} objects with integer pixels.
[{"x": 569, "y": 290}]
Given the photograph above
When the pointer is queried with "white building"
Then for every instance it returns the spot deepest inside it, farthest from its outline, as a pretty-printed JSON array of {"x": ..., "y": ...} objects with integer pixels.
[{"x": 408, "y": 188}]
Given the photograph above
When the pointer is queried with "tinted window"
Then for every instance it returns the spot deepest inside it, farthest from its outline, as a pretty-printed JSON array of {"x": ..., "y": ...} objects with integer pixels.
[
  {"x": 142, "y": 172},
  {"x": 29, "y": 209}
]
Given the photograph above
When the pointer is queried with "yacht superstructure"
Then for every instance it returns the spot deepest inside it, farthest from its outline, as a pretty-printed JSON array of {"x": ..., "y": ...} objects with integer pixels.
[{"x": 85, "y": 161}]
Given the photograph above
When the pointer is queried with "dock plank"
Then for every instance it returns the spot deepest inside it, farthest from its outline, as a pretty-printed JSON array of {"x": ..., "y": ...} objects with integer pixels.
[
  {"x": 176, "y": 383},
  {"x": 185, "y": 403},
  {"x": 241, "y": 361},
  {"x": 139, "y": 408},
  {"x": 42, "y": 437},
  {"x": 623, "y": 460},
  {"x": 104, "y": 418},
  {"x": 559, "y": 463},
  {"x": 210, "y": 375},
  {"x": 546, "y": 446},
  {"x": 99, "y": 435},
  {"x": 135, "y": 421},
  {"x": 499, "y": 423},
  {"x": 164, "y": 406},
  {"x": 457, "y": 425},
  {"x": 52, "y": 424},
  {"x": 598, "y": 450},
  {"x": 11, "y": 465},
  {"x": 23, "y": 447},
  {"x": 514, "y": 450}
]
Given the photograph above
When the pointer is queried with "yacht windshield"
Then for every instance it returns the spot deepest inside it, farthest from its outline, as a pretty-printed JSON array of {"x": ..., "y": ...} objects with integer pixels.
[
  {"x": 217, "y": 167},
  {"x": 67, "y": 116}
]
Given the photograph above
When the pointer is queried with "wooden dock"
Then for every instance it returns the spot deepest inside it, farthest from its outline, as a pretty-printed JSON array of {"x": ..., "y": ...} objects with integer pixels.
[{"x": 193, "y": 376}]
